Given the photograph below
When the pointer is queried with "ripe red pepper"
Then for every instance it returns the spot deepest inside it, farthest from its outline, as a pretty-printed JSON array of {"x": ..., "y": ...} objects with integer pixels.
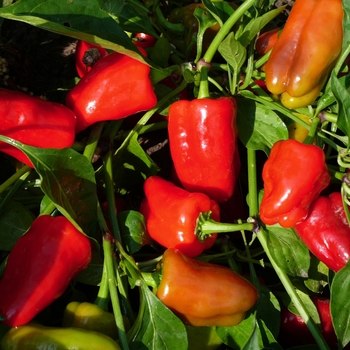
[
  {"x": 266, "y": 41},
  {"x": 204, "y": 294},
  {"x": 171, "y": 214},
  {"x": 294, "y": 331},
  {"x": 294, "y": 175},
  {"x": 34, "y": 122},
  {"x": 326, "y": 231},
  {"x": 203, "y": 145},
  {"x": 144, "y": 40},
  {"x": 86, "y": 55},
  {"x": 40, "y": 267},
  {"x": 117, "y": 87}
]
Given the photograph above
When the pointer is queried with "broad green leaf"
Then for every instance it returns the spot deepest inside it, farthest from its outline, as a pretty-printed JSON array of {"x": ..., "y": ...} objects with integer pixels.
[
  {"x": 160, "y": 328},
  {"x": 258, "y": 126},
  {"x": 161, "y": 52},
  {"x": 133, "y": 230},
  {"x": 15, "y": 219},
  {"x": 220, "y": 10},
  {"x": 288, "y": 250},
  {"x": 79, "y": 19},
  {"x": 318, "y": 275},
  {"x": 68, "y": 179},
  {"x": 340, "y": 304},
  {"x": 342, "y": 96},
  {"x": 346, "y": 24}
]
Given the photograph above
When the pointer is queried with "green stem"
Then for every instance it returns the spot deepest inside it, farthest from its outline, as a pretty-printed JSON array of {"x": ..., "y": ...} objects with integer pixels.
[
  {"x": 102, "y": 298},
  {"x": 93, "y": 140},
  {"x": 312, "y": 132},
  {"x": 108, "y": 253},
  {"x": 327, "y": 116},
  {"x": 261, "y": 234},
  {"x": 203, "y": 85},
  {"x": 231, "y": 262},
  {"x": 225, "y": 29},
  {"x": 13, "y": 178},
  {"x": 175, "y": 28},
  {"x": 50, "y": 207}
]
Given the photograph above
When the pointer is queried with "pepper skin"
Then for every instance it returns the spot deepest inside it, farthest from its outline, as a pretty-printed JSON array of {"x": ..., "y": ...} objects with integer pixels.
[
  {"x": 117, "y": 87},
  {"x": 34, "y": 336},
  {"x": 306, "y": 51},
  {"x": 266, "y": 41},
  {"x": 326, "y": 231},
  {"x": 297, "y": 131},
  {"x": 171, "y": 214},
  {"x": 294, "y": 175},
  {"x": 144, "y": 40},
  {"x": 96, "y": 52},
  {"x": 204, "y": 294},
  {"x": 40, "y": 267},
  {"x": 34, "y": 122},
  {"x": 90, "y": 317},
  {"x": 203, "y": 145},
  {"x": 294, "y": 331}
]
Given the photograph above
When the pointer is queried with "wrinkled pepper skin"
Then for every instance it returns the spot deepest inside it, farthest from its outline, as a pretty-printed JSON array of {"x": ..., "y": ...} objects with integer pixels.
[
  {"x": 204, "y": 294},
  {"x": 203, "y": 145},
  {"x": 171, "y": 214},
  {"x": 116, "y": 87},
  {"x": 90, "y": 317},
  {"x": 34, "y": 122},
  {"x": 96, "y": 53},
  {"x": 34, "y": 337},
  {"x": 326, "y": 231},
  {"x": 305, "y": 52},
  {"x": 40, "y": 267},
  {"x": 294, "y": 176}
]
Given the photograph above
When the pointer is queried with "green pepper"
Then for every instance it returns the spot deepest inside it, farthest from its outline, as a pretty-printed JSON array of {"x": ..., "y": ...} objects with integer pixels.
[
  {"x": 90, "y": 317},
  {"x": 35, "y": 336}
]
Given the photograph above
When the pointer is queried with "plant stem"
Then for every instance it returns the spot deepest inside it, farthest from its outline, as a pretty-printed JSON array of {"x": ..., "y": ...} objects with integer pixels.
[
  {"x": 102, "y": 298},
  {"x": 93, "y": 140},
  {"x": 13, "y": 178}
]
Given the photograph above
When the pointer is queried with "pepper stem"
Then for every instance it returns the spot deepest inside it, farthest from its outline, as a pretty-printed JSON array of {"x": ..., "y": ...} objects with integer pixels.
[{"x": 206, "y": 226}]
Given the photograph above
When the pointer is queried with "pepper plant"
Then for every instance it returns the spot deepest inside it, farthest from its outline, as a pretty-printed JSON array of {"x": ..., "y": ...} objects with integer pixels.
[{"x": 232, "y": 227}]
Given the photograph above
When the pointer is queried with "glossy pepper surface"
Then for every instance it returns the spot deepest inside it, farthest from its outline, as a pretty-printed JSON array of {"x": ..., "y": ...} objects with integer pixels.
[
  {"x": 203, "y": 145},
  {"x": 90, "y": 317},
  {"x": 34, "y": 122},
  {"x": 326, "y": 231},
  {"x": 86, "y": 55},
  {"x": 266, "y": 41},
  {"x": 306, "y": 51},
  {"x": 40, "y": 267},
  {"x": 116, "y": 87},
  {"x": 171, "y": 215},
  {"x": 34, "y": 336},
  {"x": 294, "y": 175},
  {"x": 204, "y": 294}
]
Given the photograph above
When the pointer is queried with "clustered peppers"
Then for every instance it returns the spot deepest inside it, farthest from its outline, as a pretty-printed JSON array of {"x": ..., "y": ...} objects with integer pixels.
[
  {"x": 34, "y": 122},
  {"x": 204, "y": 294},
  {"x": 305, "y": 51},
  {"x": 326, "y": 231},
  {"x": 294, "y": 176},
  {"x": 203, "y": 145},
  {"x": 171, "y": 215},
  {"x": 117, "y": 86},
  {"x": 40, "y": 267}
]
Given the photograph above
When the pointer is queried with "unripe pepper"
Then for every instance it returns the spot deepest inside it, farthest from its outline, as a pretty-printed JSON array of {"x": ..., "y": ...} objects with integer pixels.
[
  {"x": 34, "y": 336},
  {"x": 203, "y": 145},
  {"x": 34, "y": 122},
  {"x": 171, "y": 215},
  {"x": 90, "y": 317},
  {"x": 116, "y": 87},
  {"x": 294, "y": 175},
  {"x": 40, "y": 267},
  {"x": 204, "y": 294},
  {"x": 305, "y": 52},
  {"x": 326, "y": 231}
]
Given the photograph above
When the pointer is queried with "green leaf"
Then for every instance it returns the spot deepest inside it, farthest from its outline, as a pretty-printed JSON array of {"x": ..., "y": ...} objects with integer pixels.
[
  {"x": 318, "y": 275},
  {"x": 340, "y": 304},
  {"x": 68, "y": 179},
  {"x": 133, "y": 230},
  {"x": 160, "y": 328},
  {"x": 220, "y": 10},
  {"x": 15, "y": 219},
  {"x": 343, "y": 98},
  {"x": 346, "y": 24},
  {"x": 259, "y": 127},
  {"x": 288, "y": 250},
  {"x": 161, "y": 52},
  {"x": 79, "y": 19}
]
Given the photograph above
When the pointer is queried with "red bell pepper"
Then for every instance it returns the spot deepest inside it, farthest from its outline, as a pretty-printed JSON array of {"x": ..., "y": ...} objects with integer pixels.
[
  {"x": 86, "y": 55},
  {"x": 117, "y": 87},
  {"x": 40, "y": 267},
  {"x": 34, "y": 122},
  {"x": 144, "y": 40},
  {"x": 294, "y": 175},
  {"x": 203, "y": 145},
  {"x": 326, "y": 231},
  {"x": 171, "y": 215}
]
